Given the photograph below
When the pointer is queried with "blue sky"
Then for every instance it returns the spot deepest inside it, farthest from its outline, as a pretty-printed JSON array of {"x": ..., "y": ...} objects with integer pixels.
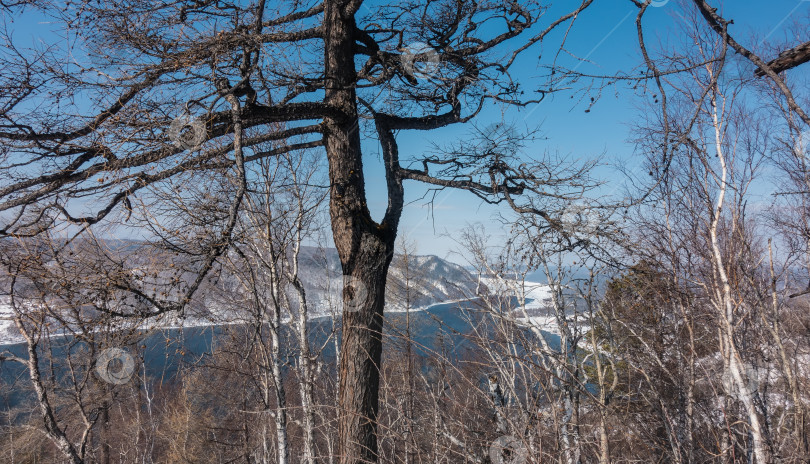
[{"x": 605, "y": 34}]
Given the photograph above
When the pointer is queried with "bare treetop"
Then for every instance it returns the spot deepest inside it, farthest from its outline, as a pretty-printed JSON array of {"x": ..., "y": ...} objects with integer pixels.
[
  {"x": 95, "y": 118},
  {"x": 162, "y": 116}
]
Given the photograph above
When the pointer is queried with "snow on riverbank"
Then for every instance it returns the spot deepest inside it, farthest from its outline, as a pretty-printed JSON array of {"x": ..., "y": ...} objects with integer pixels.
[
  {"x": 534, "y": 298},
  {"x": 8, "y": 331},
  {"x": 533, "y": 301}
]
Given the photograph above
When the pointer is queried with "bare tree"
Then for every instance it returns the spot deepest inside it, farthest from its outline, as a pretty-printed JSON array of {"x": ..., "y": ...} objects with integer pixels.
[
  {"x": 320, "y": 69},
  {"x": 714, "y": 150},
  {"x": 77, "y": 357}
]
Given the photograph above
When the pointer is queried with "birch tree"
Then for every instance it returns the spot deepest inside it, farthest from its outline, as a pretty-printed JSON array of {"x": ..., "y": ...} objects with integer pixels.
[{"x": 160, "y": 94}]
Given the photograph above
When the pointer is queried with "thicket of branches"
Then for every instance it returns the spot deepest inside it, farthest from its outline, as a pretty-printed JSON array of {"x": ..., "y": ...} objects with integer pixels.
[{"x": 674, "y": 326}]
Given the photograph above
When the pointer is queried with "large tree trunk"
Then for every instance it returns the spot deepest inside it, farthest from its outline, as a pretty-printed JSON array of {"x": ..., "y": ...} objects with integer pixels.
[{"x": 365, "y": 248}]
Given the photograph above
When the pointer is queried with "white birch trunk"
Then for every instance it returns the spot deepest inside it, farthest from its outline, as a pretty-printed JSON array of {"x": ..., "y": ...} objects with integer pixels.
[{"x": 733, "y": 362}]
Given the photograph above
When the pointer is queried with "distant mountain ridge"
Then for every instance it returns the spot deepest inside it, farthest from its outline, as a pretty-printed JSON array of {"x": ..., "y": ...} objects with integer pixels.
[
  {"x": 418, "y": 282},
  {"x": 425, "y": 280}
]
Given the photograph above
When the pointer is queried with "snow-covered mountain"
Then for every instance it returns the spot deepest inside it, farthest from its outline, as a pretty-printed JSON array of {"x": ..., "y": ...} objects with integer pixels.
[{"x": 416, "y": 282}]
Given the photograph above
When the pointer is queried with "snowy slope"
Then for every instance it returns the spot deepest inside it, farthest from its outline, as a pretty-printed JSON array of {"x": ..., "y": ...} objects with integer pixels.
[
  {"x": 8, "y": 331},
  {"x": 533, "y": 301},
  {"x": 421, "y": 281}
]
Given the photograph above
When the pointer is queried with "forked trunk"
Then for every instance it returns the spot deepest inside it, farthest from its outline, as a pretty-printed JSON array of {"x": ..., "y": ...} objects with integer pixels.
[{"x": 365, "y": 248}]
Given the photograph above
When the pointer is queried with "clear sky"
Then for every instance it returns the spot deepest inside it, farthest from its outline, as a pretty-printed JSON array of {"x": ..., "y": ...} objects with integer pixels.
[{"x": 606, "y": 35}]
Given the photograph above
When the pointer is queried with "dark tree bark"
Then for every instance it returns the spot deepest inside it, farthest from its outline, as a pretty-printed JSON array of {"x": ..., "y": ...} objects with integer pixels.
[
  {"x": 788, "y": 59},
  {"x": 365, "y": 247},
  {"x": 118, "y": 157}
]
